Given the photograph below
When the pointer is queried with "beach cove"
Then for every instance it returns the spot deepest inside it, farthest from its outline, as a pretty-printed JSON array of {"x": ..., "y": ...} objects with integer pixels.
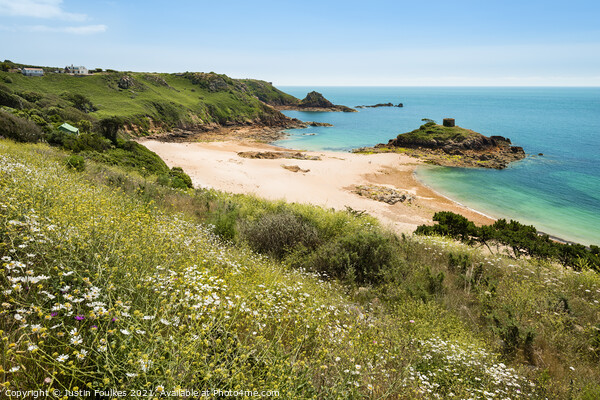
[{"x": 329, "y": 182}]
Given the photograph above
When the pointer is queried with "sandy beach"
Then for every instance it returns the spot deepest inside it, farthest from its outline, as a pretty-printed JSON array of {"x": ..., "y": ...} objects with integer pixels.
[{"x": 329, "y": 182}]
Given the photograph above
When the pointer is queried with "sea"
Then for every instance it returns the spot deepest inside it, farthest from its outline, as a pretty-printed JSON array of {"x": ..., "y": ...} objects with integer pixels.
[{"x": 557, "y": 192}]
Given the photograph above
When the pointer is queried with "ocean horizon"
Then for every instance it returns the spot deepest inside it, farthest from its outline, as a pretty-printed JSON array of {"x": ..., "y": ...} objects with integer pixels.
[{"x": 557, "y": 192}]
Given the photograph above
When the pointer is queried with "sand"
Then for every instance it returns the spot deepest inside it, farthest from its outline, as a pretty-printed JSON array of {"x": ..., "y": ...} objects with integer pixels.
[{"x": 328, "y": 182}]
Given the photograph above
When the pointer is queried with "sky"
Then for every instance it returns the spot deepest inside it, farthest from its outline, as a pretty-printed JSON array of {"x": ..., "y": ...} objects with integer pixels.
[{"x": 317, "y": 43}]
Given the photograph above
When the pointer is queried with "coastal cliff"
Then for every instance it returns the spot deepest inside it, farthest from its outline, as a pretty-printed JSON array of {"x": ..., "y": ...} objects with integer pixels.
[
  {"x": 452, "y": 146},
  {"x": 315, "y": 101}
]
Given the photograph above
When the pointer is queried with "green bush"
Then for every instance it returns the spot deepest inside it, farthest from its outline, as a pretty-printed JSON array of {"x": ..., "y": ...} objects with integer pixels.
[
  {"x": 9, "y": 99},
  {"x": 76, "y": 162},
  {"x": 280, "y": 233},
  {"x": 362, "y": 256},
  {"x": 109, "y": 128},
  {"x": 79, "y": 143},
  {"x": 18, "y": 129},
  {"x": 180, "y": 179},
  {"x": 224, "y": 221}
]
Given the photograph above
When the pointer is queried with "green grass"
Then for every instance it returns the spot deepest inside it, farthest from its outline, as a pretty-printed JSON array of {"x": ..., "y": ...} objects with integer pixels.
[
  {"x": 429, "y": 132},
  {"x": 167, "y": 99},
  {"x": 166, "y": 304}
]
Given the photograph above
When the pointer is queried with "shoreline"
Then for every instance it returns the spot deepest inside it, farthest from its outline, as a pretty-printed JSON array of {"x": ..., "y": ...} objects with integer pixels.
[
  {"x": 551, "y": 236},
  {"x": 329, "y": 182}
]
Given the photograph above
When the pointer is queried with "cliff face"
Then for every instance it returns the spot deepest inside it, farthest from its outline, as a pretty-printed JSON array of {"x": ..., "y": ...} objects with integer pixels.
[{"x": 454, "y": 147}]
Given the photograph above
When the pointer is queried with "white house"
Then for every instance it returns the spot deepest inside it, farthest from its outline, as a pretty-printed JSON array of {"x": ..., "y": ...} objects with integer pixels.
[
  {"x": 32, "y": 71},
  {"x": 80, "y": 70}
]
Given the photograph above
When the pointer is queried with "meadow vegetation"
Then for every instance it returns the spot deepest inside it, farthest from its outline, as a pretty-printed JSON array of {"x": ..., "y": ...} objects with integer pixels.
[
  {"x": 143, "y": 102},
  {"x": 112, "y": 280}
]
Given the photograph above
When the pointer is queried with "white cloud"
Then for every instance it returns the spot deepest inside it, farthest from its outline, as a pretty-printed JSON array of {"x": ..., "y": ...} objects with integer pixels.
[
  {"x": 75, "y": 30},
  {"x": 48, "y": 9}
]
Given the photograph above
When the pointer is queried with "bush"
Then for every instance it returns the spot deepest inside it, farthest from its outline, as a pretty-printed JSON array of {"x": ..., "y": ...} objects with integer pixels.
[
  {"x": 363, "y": 256},
  {"x": 180, "y": 179},
  {"x": 79, "y": 101},
  {"x": 79, "y": 143},
  {"x": 109, "y": 128},
  {"x": 76, "y": 162},
  {"x": 278, "y": 234},
  {"x": 18, "y": 129},
  {"x": 9, "y": 99}
]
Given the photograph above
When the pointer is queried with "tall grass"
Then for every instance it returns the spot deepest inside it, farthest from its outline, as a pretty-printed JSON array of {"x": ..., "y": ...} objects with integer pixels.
[{"x": 106, "y": 285}]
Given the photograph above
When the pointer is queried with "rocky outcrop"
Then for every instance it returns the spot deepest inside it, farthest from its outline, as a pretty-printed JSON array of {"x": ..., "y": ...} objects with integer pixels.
[
  {"x": 295, "y": 168},
  {"x": 314, "y": 101},
  {"x": 383, "y": 194},
  {"x": 453, "y": 147},
  {"x": 312, "y": 123},
  {"x": 126, "y": 82},
  {"x": 273, "y": 155},
  {"x": 382, "y": 105}
]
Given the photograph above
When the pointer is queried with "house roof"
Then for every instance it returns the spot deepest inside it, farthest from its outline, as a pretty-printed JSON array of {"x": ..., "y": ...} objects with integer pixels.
[
  {"x": 69, "y": 128},
  {"x": 33, "y": 69}
]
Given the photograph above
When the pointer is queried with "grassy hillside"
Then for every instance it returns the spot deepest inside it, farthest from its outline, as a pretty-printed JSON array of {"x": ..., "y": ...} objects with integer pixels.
[
  {"x": 112, "y": 281},
  {"x": 269, "y": 94},
  {"x": 143, "y": 100}
]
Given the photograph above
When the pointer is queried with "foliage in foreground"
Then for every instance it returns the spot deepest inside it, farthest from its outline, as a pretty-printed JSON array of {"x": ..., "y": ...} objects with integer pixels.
[
  {"x": 105, "y": 287},
  {"x": 101, "y": 290}
]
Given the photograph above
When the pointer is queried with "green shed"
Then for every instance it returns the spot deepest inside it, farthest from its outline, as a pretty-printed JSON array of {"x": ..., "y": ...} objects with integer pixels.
[{"x": 68, "y": 129}]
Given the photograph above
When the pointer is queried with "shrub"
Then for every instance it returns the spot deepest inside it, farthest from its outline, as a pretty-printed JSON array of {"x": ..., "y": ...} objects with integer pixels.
[
  {"x": 76, "y": 162},
  {"x": 180, "y": 179},
  {"x": 225, "y": 221},
  {"x": 9, "y": 99},
  {"x": 362, "y": 256},
  {"x": 80, "y": 143},
  {"x": 109, "y": 128},
  {"x": 18, "y": 129},
  {"x": 278, "y": 234}
]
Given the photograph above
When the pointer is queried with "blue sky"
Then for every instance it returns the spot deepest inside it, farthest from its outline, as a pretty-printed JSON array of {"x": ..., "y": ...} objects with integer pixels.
[{"x": 404, "y": 43}]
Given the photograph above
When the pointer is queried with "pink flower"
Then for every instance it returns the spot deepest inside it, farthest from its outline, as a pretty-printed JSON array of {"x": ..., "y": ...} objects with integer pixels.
[{"x": 412, "y": 321}]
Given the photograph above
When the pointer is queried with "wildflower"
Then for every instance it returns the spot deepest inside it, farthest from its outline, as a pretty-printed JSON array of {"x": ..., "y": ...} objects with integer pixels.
[
  {"x": 140, "y": 332},
  {"x": 79, "y": 317},
  {"x": 62, "y": 358},
  {"x": 32, "y": 347},
  {"x": 131, "y": 375},
  {"x": 160, "y": 389},
  {"x": 102, "y": 348},
  {"x": 36, "y": 328},
  {"x": 76, "y": 340},
  {"x": 74, "y": 332},
  {"x": 145, "y": 365},
  {"x": 81, "y": 355},
  {"x": 15, "y": 369}
]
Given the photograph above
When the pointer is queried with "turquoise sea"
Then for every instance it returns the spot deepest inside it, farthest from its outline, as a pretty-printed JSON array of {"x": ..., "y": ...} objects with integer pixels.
[{"x": 558, "y": 193}]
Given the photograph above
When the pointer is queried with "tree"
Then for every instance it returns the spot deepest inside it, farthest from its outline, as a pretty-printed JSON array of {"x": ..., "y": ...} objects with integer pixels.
[{"x": 109, "y": 128}]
